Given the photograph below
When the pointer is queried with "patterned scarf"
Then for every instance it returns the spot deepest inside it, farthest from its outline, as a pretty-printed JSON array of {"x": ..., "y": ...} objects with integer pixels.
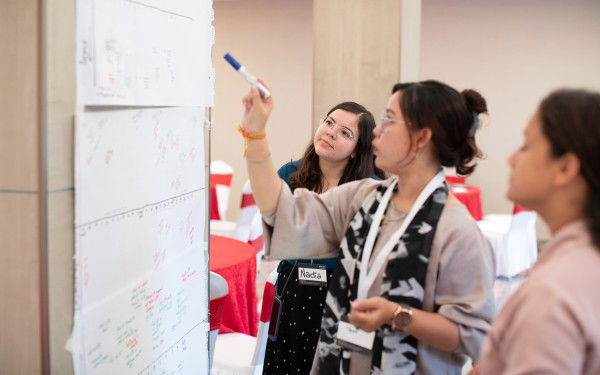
[{"x": 403, "y": 282}]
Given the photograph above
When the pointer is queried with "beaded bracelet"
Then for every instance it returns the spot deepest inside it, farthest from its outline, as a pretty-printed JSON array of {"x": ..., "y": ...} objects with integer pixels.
[{"x": 248, "y": 136}]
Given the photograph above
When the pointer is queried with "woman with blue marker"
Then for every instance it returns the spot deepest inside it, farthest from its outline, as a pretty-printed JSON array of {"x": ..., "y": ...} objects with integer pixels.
[
  {"x": 339, "y": 152},
  {"x": 413, "y": 288}
]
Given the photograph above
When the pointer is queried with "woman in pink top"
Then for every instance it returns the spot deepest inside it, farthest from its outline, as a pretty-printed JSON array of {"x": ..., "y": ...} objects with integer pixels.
[{"x": 551, "y": 325}]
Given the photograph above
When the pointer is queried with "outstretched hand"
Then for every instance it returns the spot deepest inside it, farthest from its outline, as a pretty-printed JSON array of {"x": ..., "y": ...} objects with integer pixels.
[
  {"x": 371, "y": 313},
  {"x": 256, "y": 110}
]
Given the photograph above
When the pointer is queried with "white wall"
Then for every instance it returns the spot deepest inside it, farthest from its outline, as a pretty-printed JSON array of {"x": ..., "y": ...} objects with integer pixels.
[
  {"x": 273, "y": 39},
  {"x": 514, "y": 52}
]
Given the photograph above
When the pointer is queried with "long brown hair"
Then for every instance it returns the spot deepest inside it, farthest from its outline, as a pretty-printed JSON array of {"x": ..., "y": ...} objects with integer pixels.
[
  {"x": 362, "y": 165},
  {"x": 571, "y": 122}
]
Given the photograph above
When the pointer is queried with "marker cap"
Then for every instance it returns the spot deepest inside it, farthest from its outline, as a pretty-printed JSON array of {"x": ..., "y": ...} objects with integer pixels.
[{"x": 236, "y": 65}]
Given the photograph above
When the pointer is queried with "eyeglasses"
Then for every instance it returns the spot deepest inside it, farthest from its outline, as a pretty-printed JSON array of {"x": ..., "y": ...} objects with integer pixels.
[
  {"x": 341, "y": 130},
  {"x": 386, "y": 121}
]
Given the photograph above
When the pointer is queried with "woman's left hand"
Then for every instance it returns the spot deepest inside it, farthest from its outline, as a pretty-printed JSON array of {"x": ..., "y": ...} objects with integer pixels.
[{"x": 371, "y": 313}]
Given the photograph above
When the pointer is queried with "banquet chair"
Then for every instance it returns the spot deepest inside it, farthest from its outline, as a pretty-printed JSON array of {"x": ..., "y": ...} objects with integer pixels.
[
  {"x": 248, "y": 210},
  {"x": 237, "y": 353},
  {"x": 223, "y": 228},
  {"x": 221, "y": 175},
  {"x": 218, "y": 291},
  {"x": 513, "y": 239},
  {"x": 248, "y": 227},
  {"x": 257, "y": 239}
]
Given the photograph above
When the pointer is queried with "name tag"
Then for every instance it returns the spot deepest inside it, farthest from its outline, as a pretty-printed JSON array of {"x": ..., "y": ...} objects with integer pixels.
[
  {"x": 354, "y": 338},
  {"x": 312, "y": 274}
]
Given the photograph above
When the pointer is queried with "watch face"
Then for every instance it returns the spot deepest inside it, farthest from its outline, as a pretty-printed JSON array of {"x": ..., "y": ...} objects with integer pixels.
[{"x": 402, "y": 319}]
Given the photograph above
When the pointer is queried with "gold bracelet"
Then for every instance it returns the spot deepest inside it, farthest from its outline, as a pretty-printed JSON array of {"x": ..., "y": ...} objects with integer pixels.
[{"x": 248, "y": 136}]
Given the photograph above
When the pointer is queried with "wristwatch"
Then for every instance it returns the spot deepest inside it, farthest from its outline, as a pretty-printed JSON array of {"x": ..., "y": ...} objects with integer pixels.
[{"x": 402, "y": 317}]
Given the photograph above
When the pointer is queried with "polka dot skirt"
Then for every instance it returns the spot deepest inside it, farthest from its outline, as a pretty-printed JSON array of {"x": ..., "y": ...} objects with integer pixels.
[{"x": 300, "y": 325}]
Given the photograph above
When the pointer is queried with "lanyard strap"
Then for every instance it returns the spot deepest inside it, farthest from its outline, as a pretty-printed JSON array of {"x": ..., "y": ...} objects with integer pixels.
[
  {"x": 367, "y": 277},
  {"x": 291, "y": 275}
]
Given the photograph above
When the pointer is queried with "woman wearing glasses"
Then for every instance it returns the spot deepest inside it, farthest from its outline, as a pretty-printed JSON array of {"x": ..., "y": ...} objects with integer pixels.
[
  {"x": 340, "y": 152},
  {"x": 414, "y": 273}
]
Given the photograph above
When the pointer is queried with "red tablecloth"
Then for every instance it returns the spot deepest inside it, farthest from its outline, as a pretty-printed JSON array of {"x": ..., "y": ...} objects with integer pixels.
[
  {"x": 236, "y": 262},
  {"x": 470, "y": 196}
]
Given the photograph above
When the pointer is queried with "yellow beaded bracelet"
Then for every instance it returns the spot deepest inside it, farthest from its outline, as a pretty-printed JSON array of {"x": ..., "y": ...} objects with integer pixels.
[{"x": 248, "y": 136}]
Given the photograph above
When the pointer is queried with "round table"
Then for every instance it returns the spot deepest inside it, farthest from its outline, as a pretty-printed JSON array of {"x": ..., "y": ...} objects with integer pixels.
[
  {"x": 236, "y": 262},
  {"x": 470, "y": 196}
]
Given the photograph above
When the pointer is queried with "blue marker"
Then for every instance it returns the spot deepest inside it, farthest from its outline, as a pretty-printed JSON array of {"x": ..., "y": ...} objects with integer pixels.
[{"x": 247, "y": 76}]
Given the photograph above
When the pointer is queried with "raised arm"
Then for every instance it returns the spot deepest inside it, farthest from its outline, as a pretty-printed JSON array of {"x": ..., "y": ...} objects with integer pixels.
[{"x": 266, "y": 184}]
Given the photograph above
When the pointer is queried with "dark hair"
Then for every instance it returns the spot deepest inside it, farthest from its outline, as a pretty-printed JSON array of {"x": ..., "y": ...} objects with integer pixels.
[
  {"x": 362, "y": 165},
  {"x": 401, "y": 86},
  {"x": 571, "y": 121},
  {"x": 450, "y": 115}
]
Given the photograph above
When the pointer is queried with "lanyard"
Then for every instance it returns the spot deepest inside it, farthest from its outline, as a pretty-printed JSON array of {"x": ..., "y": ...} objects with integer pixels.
[{"x": 366, "y": 279}]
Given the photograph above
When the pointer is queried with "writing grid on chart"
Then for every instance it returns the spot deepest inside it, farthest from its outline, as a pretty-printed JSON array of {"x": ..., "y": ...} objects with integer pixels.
[{"x": 141, "y": 295}]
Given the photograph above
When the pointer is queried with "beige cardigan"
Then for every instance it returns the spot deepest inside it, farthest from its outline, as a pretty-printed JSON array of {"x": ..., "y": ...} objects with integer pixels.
[{"x": 460, "y": 276}]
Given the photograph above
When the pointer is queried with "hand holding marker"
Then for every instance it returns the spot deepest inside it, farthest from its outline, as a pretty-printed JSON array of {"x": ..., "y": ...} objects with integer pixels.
[{"x": 247, "y": 76}]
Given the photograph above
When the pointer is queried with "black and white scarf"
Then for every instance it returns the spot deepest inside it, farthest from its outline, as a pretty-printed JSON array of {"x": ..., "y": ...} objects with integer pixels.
[{"x": 403, "y": 282}]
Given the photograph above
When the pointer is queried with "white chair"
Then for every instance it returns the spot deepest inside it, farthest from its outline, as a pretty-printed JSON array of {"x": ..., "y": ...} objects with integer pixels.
[
  {"x": 218, "y": 291},
  {"x": 257, "y": 239},
  {"x": 513, "y": 239},
  {"x": 223, "y": 228},
  {"x": 249, "y": 225},
  {"x": 237, "y": 353},
  {"x": 248, "y": 211},
  {"x": 221, "y": 175}
]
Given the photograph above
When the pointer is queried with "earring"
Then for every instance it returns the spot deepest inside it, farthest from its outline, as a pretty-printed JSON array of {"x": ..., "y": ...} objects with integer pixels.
[{"x": 415, "y": 153}]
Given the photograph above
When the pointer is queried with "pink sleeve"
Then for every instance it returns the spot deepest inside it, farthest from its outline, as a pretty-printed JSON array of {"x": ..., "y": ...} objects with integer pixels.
[{"x": 537, "y": 333}]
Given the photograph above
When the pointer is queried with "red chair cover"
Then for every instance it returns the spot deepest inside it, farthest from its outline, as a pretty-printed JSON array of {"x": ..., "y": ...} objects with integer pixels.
[
  {"x": 517, "y": 209},
  {"x": 267, "y": 305},
  {"x": 247, "y": 200},
  {"x": 216, "y": 312},
  {"x": 471, "y": 198},
  {"x": 217, "y": 179},
  {"x": 214, "y": 205},
  {"x": 220, "y": 179},
  {"x": 456, "y": 180}
]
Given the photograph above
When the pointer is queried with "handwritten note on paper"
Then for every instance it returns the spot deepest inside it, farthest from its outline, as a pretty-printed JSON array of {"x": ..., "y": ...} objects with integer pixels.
[
  {"x": 141, "y": 303},
  {"x": 145, "y": 52},
  {"x": 157, "y": 323},
  {"x": 129, "y": 158},
  {"x": 132, "y": 243}
]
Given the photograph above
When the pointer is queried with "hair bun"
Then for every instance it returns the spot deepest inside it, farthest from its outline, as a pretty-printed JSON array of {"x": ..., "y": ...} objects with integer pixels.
[{"x": 475, "y": 102}]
